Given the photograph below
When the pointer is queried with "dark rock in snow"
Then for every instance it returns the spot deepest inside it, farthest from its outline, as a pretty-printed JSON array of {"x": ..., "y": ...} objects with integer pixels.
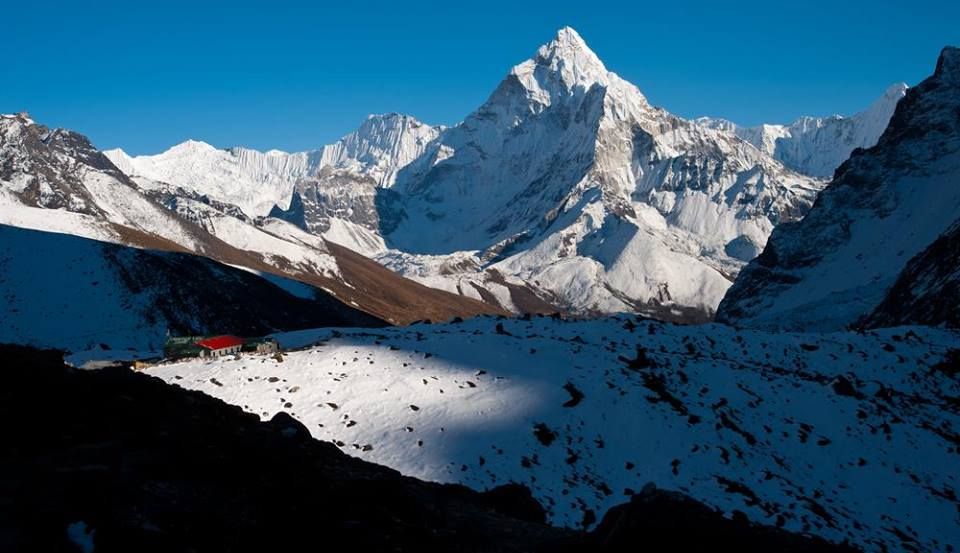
[
  {"x": 658, "y": 520},
  {"x": 576, "y": 396},
  {"x": 516, "y": 501},
  {"x": 543, "y": 434}
]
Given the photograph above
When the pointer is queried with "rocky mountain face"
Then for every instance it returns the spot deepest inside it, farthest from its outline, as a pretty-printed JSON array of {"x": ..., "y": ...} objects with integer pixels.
[
  {"x": 56, "y": 181},
  {"x": 927, "y": 291},
  {"x": 113, "y": 460},
  {"x": 816, "y": 146},
  {"x": 333, "y": 195},
  {"x": 565, "y": 190},
  {"x": 878, "y": 243}
]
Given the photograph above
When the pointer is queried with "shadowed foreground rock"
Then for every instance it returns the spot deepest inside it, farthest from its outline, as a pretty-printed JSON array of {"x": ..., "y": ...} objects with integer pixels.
[
  {"x": 118, "y": 461},
  {"x": 658, "y": 520}
]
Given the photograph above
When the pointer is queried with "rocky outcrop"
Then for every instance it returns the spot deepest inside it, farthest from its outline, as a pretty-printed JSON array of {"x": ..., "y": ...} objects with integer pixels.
[
  {"x": 660, "y": 520},
  {"x": 927, "y": 292}
]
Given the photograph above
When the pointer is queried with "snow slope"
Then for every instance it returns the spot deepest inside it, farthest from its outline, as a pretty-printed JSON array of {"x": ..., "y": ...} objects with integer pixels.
[
  {"x": 111, "y": 301},
  {"x": 62, "y": 291},
  {"x": 847, "y": 436},
  {"x": 816, "y": 146},
  {"x": 885, "y": 206},
  {"x": 927, "y": 291}
]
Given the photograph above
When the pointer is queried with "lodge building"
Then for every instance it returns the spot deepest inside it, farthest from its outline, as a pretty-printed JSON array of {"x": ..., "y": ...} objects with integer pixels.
[{"x": 220, "y": 345}]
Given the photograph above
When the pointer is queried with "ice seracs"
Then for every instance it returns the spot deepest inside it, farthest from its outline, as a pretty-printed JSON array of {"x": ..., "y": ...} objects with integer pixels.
[{"x": 253, "y": 181}]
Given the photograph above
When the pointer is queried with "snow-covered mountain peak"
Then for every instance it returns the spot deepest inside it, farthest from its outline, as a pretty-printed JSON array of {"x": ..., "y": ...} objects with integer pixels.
[
  {"x": 562, "y": 66},
  {"x": 189, "y": 147},
  {"x": 121, "y": 159},
  {"x": 567, "y": 178},
  {"x": 377, "y": 125},
  {"x": 569, "y": 53},
  {"x": 894, "y": 92},
  {"x": 875, "y": 118},
  {"x": 22, "y": 118},
  {"x": 381, "y": 147}
]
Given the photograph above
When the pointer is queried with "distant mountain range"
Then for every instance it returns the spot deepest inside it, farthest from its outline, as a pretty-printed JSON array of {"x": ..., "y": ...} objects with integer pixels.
[
  {"x": 565, "y": 190},
  {"x": 55, "y": 181}
]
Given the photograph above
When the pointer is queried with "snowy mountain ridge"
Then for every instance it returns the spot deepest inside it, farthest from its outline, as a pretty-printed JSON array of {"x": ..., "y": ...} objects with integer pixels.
[
  {"x": 56, "y": 181},
  {"x": 816, "y": 146},
  {"x": 257, "y": 181}
]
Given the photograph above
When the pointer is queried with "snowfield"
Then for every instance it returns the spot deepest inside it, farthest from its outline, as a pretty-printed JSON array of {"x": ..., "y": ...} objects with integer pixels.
[{"x": 844, "y": 435}]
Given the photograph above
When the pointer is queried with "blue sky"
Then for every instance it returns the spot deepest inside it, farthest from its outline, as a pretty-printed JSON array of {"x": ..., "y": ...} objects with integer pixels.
[{"x": 144, "y": 76}]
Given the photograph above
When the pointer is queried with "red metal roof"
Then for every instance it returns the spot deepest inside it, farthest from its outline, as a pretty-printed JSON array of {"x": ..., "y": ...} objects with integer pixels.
[{"x": 220, "y": 342}]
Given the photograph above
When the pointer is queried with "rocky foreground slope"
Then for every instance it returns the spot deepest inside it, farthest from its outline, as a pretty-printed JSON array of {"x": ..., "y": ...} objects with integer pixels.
[
  {"x": 113, "y": 461},
  {"x": 851, "y": 437},
  {"x": 877, "y": 240}
]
